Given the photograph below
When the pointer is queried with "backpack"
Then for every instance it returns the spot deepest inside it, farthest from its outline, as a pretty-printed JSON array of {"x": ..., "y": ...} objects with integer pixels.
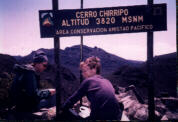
[{"x": 16, "y": 88}]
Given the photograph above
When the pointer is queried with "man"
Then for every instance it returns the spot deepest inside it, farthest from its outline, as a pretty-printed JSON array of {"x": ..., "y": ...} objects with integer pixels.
[
  {"x": 25, "y": 87},
  {"x": 99, "y": 91}
]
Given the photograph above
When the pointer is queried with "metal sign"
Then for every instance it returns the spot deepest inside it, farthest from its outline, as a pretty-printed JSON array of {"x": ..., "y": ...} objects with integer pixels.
[{"x": 97, "y": 21}]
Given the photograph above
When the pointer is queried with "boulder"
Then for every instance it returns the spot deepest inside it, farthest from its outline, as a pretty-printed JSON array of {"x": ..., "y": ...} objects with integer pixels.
[
  {"x": 132, "y": 107},
  {"x": 170, "y": 103},
  {"x": 170, "y": 116}
]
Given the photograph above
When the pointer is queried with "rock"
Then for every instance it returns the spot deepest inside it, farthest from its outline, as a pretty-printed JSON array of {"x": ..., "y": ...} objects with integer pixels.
[
  {"x": 170, "y": 103},
  {"x": 121, "y": 89},
  {"x": 158, "y": 115},
  {"x": 121, "y": 95},
  {"x": 128, "y": 104},
  {"x": 170, "y": 116},
  {"x": 124, "y": 117},
  {"x": 137, "y": 111},
  {"x": 132, "y": 108},
  {"x": 159, "y": 106},
  {"x": 161, "y": 109},
  {"x": 136, "y": 93},
  {"x": 164, "y": 118},
  {"x": 141, "y": 113}
]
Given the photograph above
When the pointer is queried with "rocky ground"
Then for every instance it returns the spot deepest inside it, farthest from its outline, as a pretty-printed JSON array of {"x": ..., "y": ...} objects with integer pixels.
[{"x": 135, "y": 108}]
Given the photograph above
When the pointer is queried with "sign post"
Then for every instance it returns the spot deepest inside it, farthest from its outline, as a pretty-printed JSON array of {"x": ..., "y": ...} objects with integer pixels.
[
  {"x": 81, "y": 54},
  {"x": 151, "y": 104},
  {"x": 57, "y": 62}
]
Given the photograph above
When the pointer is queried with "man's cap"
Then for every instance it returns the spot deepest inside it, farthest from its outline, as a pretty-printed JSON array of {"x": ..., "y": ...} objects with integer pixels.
[{"x": 40, "y": 57}]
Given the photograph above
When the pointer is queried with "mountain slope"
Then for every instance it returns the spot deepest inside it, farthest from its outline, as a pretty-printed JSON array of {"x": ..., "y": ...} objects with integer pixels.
[
  {"x": 164, "y": 75},
  {"x": 6, "y": 63},
  {"x": 70, "y": 58}
]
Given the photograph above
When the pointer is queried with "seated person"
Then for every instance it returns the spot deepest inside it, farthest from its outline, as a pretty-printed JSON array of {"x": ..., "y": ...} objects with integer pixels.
[
  {"x": 99, "y": 91},
  {"x": 25, "y": 87}
]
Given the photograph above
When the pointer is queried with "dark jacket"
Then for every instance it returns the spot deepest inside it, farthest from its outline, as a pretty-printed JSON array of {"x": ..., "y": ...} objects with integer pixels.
[
  {"x": 25, "y": 89},
  {"x": 100, "y": 93}
]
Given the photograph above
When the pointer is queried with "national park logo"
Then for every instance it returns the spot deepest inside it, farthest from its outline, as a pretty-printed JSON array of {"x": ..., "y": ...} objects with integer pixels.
[{"x": 47, "y": 20}]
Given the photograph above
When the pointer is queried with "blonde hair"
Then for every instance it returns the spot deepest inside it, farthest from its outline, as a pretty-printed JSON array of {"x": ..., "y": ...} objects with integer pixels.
[{"x": 93, "y": 63}]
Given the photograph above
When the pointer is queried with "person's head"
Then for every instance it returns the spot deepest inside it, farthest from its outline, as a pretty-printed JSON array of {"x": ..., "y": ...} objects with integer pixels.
[
  {"x": 91, "y": 66},
  {"x": 40, "y": 61}
]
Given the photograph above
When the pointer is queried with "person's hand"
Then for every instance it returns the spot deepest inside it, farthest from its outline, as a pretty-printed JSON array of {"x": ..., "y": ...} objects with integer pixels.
[{"x": 52, "y": 91}]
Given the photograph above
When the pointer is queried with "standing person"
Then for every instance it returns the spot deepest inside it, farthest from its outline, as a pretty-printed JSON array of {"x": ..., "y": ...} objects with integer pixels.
[
  {"x": 25, "y": 87},
  {"x": 99, "y": 91}
]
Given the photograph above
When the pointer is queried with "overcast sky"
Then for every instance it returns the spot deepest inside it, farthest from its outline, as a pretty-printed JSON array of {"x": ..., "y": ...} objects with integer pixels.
[{"x": 20, "y": 31}]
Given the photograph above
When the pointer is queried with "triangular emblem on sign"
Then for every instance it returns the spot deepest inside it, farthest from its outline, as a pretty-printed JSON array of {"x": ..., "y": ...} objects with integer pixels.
[{"x": 47, "y": 21}]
